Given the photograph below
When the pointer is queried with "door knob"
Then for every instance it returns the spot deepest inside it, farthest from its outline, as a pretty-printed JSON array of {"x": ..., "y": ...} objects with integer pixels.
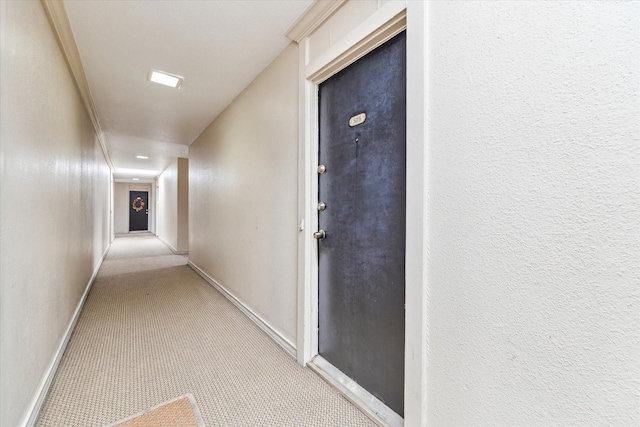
[
  {"x": 319, "y": 235},
  {"x": 322, "y": 206},
  {"x": 322, "y": 169}
]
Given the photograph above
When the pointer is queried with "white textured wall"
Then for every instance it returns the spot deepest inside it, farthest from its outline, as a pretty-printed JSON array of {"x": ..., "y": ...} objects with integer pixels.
[
  {"x": 350, "y": 14},
  {"x": 54, "y": 203},
  {"x": 121, "y": 207},
  {"x": 243, "y": 195},
  {"x": 534, "y": 195},
  {"x": 168, "y": 205},
  {"x": 173, "y": 205},
  {"x": 183, "y": 205}
]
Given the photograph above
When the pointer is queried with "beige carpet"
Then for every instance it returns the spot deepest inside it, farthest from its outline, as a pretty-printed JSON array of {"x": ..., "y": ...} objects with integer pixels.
[{"x": 152, "y": 329}]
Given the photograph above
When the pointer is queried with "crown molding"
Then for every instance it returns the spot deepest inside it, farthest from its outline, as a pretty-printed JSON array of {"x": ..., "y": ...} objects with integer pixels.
[
  {"x": 312, "y": 18},
  {"x": 57, "y": 16}
]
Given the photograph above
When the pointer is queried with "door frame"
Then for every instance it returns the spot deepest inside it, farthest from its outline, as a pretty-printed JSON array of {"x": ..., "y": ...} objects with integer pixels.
[
  {"x": 391, "y": 19},
  {"x": 146, "y": 208}
]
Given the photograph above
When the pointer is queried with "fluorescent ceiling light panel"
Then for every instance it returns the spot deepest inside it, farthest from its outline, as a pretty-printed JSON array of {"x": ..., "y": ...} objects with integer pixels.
[
  {"x": 136, "y": 171},
  {"x": 166, "y": 79},
  {"x": 142, "y": 157},
  {"x": 135, "y": 179}
]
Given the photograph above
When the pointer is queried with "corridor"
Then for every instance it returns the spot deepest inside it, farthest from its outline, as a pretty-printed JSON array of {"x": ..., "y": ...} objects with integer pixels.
[
  {"x": 152, "y": 330},
  {"x": 509, "y": 203}
]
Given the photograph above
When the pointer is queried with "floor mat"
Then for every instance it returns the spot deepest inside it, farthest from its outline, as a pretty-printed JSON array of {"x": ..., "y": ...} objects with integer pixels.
[{"x": 179, "y": 412}]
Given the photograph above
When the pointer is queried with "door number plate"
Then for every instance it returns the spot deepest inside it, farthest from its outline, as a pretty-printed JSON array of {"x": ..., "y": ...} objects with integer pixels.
[{"x": 357, "y": 120}]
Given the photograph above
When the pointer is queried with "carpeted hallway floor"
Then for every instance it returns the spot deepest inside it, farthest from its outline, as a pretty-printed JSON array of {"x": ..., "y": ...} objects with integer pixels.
[{"x": 152, "y": 329}]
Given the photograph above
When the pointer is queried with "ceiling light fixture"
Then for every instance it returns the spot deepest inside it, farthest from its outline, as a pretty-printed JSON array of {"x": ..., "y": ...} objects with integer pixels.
[
  {"x": 142, "y": 157},
  {"x": 135, "y": 179},
  {"x": 166, "y": 79},
  {"x": 136, "y": 171}
]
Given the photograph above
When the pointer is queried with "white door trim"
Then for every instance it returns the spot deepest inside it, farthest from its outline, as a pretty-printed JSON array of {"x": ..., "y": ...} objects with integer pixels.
[
  {"x": 368, "y": 403},
  {"x": 387, "y": 22},
  {"x": 416, "y": 348}
]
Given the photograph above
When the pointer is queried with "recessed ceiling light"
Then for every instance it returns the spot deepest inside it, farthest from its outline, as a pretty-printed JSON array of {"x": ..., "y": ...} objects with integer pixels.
[
  {"x": 142, "y": 157},
  {"x": 166, "y": 79},
  {"x": 135, "y": 179}
]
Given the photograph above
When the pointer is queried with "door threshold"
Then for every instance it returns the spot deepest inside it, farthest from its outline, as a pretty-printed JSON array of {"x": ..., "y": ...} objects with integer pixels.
[{"x": 380, "y": 413}]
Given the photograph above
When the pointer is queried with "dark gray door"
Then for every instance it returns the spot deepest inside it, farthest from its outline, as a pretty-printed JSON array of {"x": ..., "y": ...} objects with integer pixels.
[
  {"x": 362, "y": 257},
  {"x": 138, "y": 210}
]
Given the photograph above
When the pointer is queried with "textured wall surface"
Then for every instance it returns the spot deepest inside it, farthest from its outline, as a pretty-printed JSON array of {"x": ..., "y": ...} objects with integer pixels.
[
  {"x": 534, "y": 187},
  {"x": 351, "y": 14},
  {"x": 243, "y": 195},
  {"x": 173, "y": 205},
  {"x": 183, "y": 205},
  {"x": 54, "y": 203},
  {"x": 121, "y": 207},
  {"x": 168, "y": 205}
]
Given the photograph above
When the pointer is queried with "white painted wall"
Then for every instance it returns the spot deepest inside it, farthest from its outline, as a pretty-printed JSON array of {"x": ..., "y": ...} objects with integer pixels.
[
  {"x": 183, "y": 205},
  {"x": 534, "y": 213},
  {"x": 54, "y": 204},
  {"x": 112, "y": 222},
  {"x": 243, "y": 196},
  {"x": 167, "y": 204},
  {"x": 121, "y": 207},
  {"x": 173, "y": 208}
]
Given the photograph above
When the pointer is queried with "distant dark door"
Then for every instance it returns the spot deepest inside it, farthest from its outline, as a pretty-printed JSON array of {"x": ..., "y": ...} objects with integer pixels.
[
  {"x": 138, "y": 210},
  {"x": 362, "y": 257}
]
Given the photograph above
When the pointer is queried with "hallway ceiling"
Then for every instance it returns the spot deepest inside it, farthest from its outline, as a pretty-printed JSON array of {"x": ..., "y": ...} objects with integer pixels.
[{"x": 218, "y": 46}]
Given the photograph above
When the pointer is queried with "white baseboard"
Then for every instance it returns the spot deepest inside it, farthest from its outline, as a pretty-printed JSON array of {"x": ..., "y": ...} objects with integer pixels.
[
  {"x": 43, "y": 388},
  {"x": 171, "y": 248},
  {"x": 255, "y": 318}
]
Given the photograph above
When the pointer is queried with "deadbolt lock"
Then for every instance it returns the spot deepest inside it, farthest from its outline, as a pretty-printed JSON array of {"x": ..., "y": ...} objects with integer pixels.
[
  {"x": 319, "y": 235},
  {"x": 322, "y": 206},
  {"x": 322, "y": 169}
]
